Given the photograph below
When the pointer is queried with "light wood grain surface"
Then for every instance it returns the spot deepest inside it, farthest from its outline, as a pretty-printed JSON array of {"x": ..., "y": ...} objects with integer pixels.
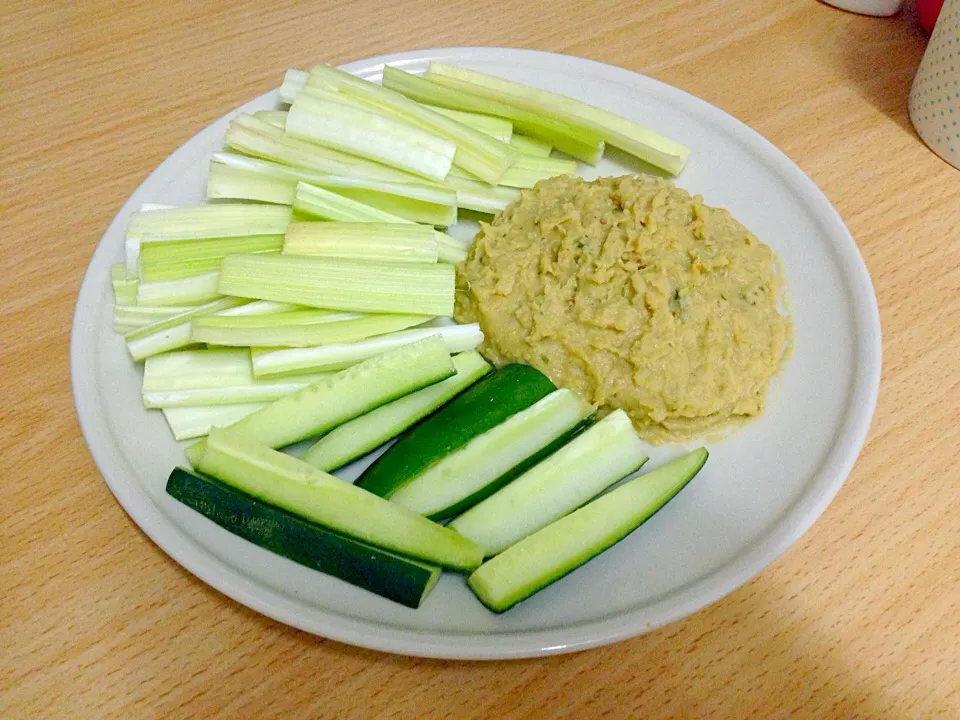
[{"x": 861, "y": 618}]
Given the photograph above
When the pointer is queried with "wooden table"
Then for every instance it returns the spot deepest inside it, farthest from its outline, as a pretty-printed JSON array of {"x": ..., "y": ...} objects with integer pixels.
[{"x": 860, "y": 619}]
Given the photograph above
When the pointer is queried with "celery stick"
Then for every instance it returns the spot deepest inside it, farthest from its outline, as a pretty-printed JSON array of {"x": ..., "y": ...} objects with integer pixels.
[
  {"x": 391, "y": 242},
  {"x": 576, "y": 141},
  {"x": 277, "y": 118},
  {"x": 474, "y": 194},
  {"x": 256, "y": 392},
  {"x": 173, "y": 332},
  {"x": 202, "y": 370},
  {"x": 627, "y": 135},
  {"x": 183, "y": 291},
  {"x": 370, "y": 135},
  {"x": 203, "y": 221},
  {"x": 124, "y": 285},
  {"x": 315, "y": 202},
  {"x": 527, "y": 171},
  {"x": 225, "y": 182},
  {"x": 193, "y": 422},
  {"x": 293, "y": 82},
  {"x": 345, "y": 395},
  {"x": 363, "y": 434},
  {"x": 476, "y": 152},
  {"x": 251, "y": 136},
  {"x": 262, "y": 307},
  {"x": 211, "y": 377},
  {"x": 449, "y": 249},
  {"x": 169, "y": 261},
  {"x": 327, "y": 358},
  {"x": 188, "y": 369},
  {"x": 338, "y": 284},
  {"x": 421, "y": 201},
  {"x": 130, "y": 317},
  {"x": 495, "y": 127},
  {"x": 530, "y": 146},
  {"x": 305, "y": 328}
]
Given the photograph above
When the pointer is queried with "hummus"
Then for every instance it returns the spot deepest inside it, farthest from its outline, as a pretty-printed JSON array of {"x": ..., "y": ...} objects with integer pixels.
[{"x": 636, "y": 295}]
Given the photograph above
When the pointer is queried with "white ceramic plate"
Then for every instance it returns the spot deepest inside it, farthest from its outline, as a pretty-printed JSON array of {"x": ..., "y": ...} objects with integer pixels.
[{"x": 761, "y": 489}]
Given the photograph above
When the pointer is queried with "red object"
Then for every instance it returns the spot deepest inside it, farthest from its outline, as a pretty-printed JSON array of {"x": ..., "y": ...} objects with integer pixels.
[{"x": 927, "y": 13}]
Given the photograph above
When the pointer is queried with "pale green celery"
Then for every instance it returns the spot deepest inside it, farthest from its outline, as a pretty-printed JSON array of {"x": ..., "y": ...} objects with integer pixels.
[
  {"x": 124, "y": 285},
  {"x": 370, "y": 135},
  {"x": 388, "y": 242},
  {"x": 270, "y": 362},
  {"x": 199, "y": 222},
  {"x": 495, "y": 127},
  {"x": 225, "y": 182},
  {"x": 260, "y": 391},
  {"x": 449, "y": 249},
  {"x": 361, "y": 435},
  {"x": 192, "y": 369},
  {"x": 583, "y": 144},
  {"x": 631, "y": 137},
  {"x": 315, "y": 202},
  {"x": 261, "y": 307},
  {"x": 338, "y": 284},
  {"x": 476, "y": 152},
  {"x": 173, "y": 332},
  {"x": 527, "y": 171},
  {"x": 421, "y": 201},
  {"x": 187, "y": 423},
  {"x": 183, "y": 291},
  {"x": 254, "y": 137},
  {"x": 274, "y": 117},
  {"x": 305, "y": 328},
  {"x": 473, "y": 194},
  {"x": 171, "y": 260},
  {"x": 530, "y": 146},
  {"x": 211, "y": 377},
  {"x": 127, "y": 318},
  {"x": 293, "y": 82}
]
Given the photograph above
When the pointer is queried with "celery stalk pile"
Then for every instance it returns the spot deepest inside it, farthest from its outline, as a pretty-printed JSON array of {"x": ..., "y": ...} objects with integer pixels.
[{"x": 323, "y": 244}]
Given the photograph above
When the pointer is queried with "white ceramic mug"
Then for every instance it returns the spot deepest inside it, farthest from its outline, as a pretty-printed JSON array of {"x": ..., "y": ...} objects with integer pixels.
[{"x": 935, "y": 95}]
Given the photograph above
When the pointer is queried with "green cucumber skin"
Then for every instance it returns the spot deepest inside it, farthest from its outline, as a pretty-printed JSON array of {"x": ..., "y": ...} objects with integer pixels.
[
  {"x": 479, "y": 408},
  {"x": 366, "y": 566},
  {"x": 513, "y": 473},
  {"x": 534, "y": 590}
]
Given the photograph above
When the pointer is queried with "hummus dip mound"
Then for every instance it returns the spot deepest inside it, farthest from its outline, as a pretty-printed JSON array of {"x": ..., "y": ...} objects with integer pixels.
[{"x": 636, "y": 295}]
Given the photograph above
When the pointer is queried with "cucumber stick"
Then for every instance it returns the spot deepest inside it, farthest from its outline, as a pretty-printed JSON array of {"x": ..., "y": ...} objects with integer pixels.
[
  {"x": 562, "y": 546},
  {"x": 479, "y": 408},
  {"x": 589, "y": 464},
  {"x": 382, "y": 572},
  {"x": 493, "y": 459},
  {"x": 345, "y": 395},
  {"x": 360, "y": 436},
  {"x": 289, "y": 483}
]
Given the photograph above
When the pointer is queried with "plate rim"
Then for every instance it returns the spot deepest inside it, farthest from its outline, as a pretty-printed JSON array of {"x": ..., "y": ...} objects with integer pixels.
[{"x": 784, "y": 531}]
